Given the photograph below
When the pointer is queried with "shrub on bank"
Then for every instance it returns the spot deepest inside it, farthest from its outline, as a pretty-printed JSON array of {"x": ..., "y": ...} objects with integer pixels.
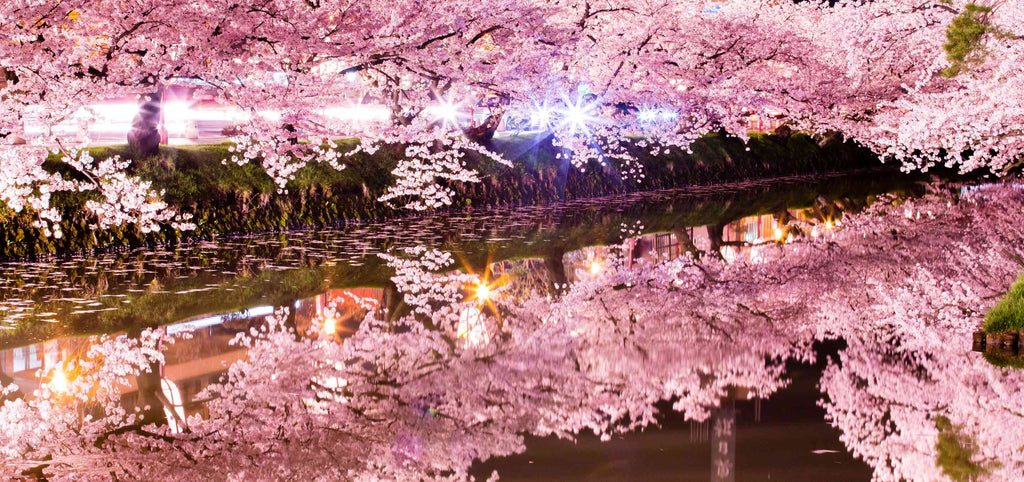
[{"x": 1008, "y": 314}]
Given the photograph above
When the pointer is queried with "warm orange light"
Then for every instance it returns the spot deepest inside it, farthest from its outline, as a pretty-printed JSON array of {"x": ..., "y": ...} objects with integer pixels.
[
  {"x": 828, "y": 224},
  {"x": 483, "y": 292},
  {"x": 595, "y": 267},
  {"x": 778, "y": 234},
  {"x": 330, "y": 325},
  {"x": 59, "y": 382}
]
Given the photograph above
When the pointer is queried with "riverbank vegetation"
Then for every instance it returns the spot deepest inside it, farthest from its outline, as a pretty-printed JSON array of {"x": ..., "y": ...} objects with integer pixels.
[
  {"x": 223, "y": 197},
  {"x": 1008, "y": 314}
]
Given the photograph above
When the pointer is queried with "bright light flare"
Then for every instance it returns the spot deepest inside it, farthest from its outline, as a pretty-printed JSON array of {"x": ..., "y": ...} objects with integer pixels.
[
  {"x": 330, "y": 325},
  {"x": 778, "y": 234},
  {"x": 595, "y": 267},
  {"x": 483, "y": 292},
  {"x": 651, "y": 115},
  {"x": 447, "y": 112},
  {"x": 540, "y": 118},
  {"x": 647, "y": 115},
  {"x": 577, "y": 115},
  {"x": 59, "y": 383}
]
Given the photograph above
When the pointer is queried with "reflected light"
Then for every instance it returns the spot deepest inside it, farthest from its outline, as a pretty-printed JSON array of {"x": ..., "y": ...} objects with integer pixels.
[
  {"x": 59, "y": 383},
  {"x": 483, "y": 292},
  {"x": 330, "y": 325},
  {"x": 472, "y": 327}
]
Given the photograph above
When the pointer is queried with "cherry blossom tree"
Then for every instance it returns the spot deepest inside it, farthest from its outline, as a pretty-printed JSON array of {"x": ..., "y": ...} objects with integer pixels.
[
  {"x": 599, "y": 74},
  {"x": 945, "y": 89}
]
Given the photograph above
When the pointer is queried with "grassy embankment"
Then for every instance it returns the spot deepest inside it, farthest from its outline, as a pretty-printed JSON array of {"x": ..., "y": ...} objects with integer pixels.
[
  {"x": 227, "y": 198},
  {"x": 1008, "y": 314}
]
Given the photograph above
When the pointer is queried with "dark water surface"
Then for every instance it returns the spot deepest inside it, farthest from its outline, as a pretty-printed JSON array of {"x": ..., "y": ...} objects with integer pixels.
[
  {"x": 784, "y": 437},
  {"x": 51, "y": 309}
]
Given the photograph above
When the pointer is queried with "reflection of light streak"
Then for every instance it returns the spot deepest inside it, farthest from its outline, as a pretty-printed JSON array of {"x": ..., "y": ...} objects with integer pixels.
[
  {"x": 180, "y": 117},
  {"x": 116, "y": 113},
  {"x": 472, "y": 327},
  {"x": 218, "y": 319},
  {"x": 174, "y": 407}
]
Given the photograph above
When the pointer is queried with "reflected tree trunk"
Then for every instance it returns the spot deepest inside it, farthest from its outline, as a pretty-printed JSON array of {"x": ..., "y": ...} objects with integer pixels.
[
  {"x": 686, "y": 242},
  {"x": 556, "y": 269},
  {"x": 782, "y": 216},
  {"x": 715, "y": 236},
  {"x": 825, "y": 209},
  {"x": 394, "y": 302},
  {"x": 148, "y": 384}
]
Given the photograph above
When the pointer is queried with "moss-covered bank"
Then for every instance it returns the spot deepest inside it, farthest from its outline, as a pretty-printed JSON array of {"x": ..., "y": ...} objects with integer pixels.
[{"x": 227, "y": 198}]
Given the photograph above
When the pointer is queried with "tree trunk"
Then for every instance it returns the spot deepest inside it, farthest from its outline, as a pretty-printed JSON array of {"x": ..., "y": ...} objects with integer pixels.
[
  {"x": 144, "y": 136},
  {"x": 484, "y": 132}
]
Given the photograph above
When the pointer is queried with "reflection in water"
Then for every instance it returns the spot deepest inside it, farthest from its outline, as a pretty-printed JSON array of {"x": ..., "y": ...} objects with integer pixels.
[
  {"x": 448, "y": 361},
  {"x": 161, "y": 286}
]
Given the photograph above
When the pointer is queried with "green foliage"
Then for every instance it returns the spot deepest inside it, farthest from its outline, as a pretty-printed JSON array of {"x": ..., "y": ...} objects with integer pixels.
[
  {"x": 1008, "y": 314},
  {"x": 956, "y": 453},
  {"x": 226, "y": 198},
  {"x": 1005, "y": 360},
  {"x": 964, "y": 38}
]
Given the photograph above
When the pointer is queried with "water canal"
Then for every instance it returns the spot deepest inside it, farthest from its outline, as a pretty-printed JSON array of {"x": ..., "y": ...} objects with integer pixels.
[{"x": 438, "y": 346}]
